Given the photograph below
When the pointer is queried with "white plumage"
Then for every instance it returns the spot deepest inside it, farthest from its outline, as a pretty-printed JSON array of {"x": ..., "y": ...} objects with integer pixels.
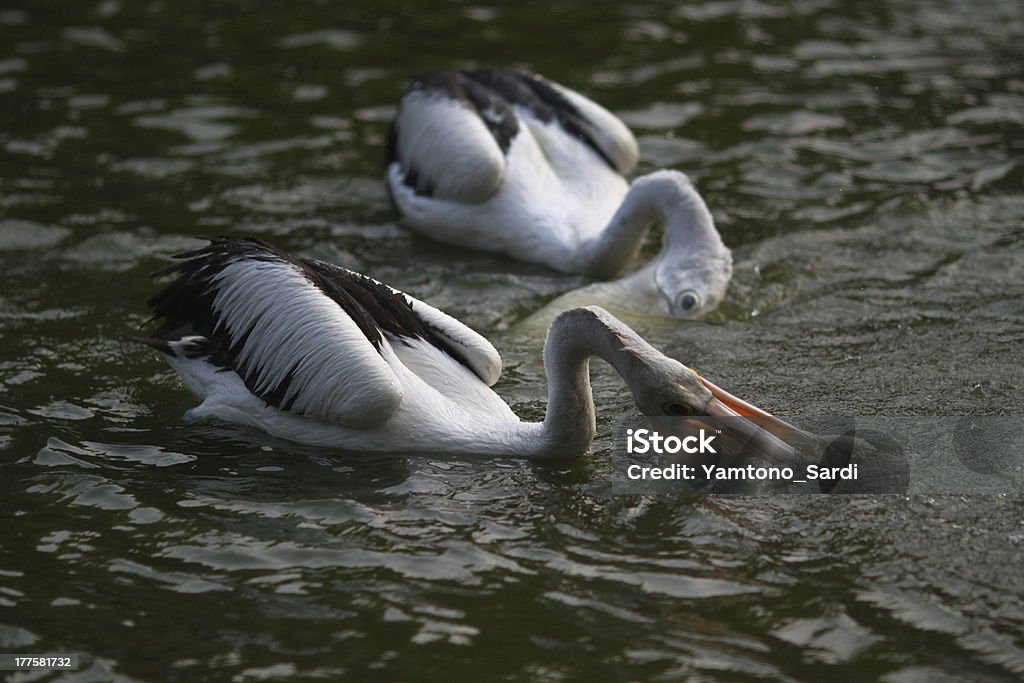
[
  {"x": 318, "y": 354},
  {"x": 510, "y": 162},
  {"x": 275, "y": 306}
]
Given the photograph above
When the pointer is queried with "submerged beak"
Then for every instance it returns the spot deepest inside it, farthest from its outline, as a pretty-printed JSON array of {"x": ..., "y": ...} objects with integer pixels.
[{"x": 750, "y": 430}]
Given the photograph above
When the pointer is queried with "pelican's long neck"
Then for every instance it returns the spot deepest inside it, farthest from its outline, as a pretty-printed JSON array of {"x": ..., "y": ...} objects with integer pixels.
[
  {"x": 574, "y": 337},
  {"x": 665, "y": 196}
]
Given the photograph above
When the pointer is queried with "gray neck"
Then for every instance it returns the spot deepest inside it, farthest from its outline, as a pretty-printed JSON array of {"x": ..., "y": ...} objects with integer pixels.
[
  {"x": 665, "y": 196},
  {"x": 573, "y": 338}
]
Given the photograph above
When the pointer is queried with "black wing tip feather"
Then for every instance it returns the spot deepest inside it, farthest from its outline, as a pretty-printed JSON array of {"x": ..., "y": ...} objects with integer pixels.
[
  {"x": 379, "y": 306},
  {"x": 211, "y": 248}
]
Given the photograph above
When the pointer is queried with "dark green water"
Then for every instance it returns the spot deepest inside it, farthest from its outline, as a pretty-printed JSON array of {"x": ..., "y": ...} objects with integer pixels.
[{"x": 865, "y": 161}]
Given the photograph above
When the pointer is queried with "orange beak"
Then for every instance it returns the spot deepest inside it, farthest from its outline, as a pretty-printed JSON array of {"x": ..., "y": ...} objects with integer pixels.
[{"x": 751, "y": 429}]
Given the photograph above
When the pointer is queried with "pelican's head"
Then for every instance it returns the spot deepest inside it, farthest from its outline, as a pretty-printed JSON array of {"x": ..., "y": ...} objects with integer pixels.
[
  {"x": 692, "y": 286},
  {"x": 694, "y": 266},
  {"x": 665, "y": 390},
  {"x": 662, "y": 387},
  {"x": 679, "y": 402}
]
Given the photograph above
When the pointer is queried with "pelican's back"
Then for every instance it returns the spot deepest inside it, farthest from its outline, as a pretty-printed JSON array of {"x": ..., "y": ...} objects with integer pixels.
[{"x": 505, "y": 160}]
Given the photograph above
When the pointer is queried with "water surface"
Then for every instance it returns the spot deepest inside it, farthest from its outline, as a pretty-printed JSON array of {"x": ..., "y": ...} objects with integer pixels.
[{"x": 862, "y": 159}]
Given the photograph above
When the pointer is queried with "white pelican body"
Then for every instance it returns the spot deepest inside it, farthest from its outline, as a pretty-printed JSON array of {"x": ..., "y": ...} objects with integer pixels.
[
  {"x": 317, "y": 354},
  {"x": 461, "y": 415},
  {"x": 507, "y": 161}
]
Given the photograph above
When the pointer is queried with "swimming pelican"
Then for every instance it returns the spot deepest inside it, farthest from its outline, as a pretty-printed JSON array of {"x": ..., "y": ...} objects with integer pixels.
[
  {"x": 318, "y": 354},
  {"x": 508, "y": 161}
]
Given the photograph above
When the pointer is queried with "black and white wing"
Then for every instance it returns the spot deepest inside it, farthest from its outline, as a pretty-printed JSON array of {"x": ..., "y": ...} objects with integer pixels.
[
  {"x": 297, "y": 345},
  {"x": 453, "y": 130},
  {"x": 422, "y": 321},
  {"x": 450, "y": 136},
  {"x": 578, "y": 116},
  {"x": 305, "y": 336}
]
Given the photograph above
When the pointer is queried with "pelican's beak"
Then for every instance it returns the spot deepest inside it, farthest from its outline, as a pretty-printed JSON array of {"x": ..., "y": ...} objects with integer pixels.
[{"x": 751, "y": 430}]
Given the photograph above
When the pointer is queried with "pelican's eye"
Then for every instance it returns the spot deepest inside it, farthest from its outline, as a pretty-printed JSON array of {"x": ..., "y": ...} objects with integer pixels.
[
  {"x": 677, "y": 409},
  {"x": 688, "y": 301}
]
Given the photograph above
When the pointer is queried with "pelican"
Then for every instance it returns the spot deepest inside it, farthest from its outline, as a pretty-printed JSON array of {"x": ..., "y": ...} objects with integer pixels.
[
  {"x": 507, "y": 161},
  {"x": 321, "y": 355}
]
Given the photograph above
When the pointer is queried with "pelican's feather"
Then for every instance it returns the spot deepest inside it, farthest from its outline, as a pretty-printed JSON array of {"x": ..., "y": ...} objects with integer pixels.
[
  {"x": 581, "y": 119},
  {"x": 437, "y": 327},
  {"x": 450, "y": 137},
  {"x": 301, "y": 343}
]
